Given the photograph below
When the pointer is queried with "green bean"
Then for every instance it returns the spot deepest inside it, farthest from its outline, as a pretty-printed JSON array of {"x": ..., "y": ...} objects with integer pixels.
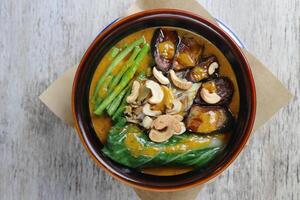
[
  {"x": 114, "y": 52},
  {"x": 121, "y": 108},
  {"x": 105, "y": 86},
  {"x": 126, "y": 78},
  {"x": 128, "y": 64},
  {"x": 119, "y": 112},
  {"x": 116, "y": 102},
  {"x": 117, "y": 78},
  {"x": 141, "y": 76},
  {"x": 98, "y": 101},
  {"x": 115, "y": 62}
]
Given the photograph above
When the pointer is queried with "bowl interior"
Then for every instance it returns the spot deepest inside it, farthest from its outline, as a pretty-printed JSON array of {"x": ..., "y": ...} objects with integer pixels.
[{"x": 153, "y": 19}]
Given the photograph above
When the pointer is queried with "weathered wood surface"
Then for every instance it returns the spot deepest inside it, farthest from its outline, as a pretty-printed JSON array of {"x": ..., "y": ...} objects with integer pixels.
[{"x": 41, "y": 158}]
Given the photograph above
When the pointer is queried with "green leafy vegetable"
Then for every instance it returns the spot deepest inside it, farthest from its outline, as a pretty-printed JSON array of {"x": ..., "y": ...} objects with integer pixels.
[{"x": 128, "y": 145}]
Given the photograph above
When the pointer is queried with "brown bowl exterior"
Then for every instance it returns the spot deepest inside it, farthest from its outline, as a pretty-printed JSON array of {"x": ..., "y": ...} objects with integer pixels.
[{"x": 154, "y": 18}]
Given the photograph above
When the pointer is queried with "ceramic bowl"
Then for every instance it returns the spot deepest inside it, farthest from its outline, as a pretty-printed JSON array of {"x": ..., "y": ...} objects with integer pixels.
[{"x": 153, "y": 18}]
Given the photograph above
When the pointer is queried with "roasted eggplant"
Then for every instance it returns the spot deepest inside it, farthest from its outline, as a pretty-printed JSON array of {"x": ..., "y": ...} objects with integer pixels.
[
  {"x": 208, "y": 67},
  {"x": 163, "y": 47},
  {"x": 217, "y": 91},
  {"x": 209, "y": 119},
  {"x": 187, "y": 54}
]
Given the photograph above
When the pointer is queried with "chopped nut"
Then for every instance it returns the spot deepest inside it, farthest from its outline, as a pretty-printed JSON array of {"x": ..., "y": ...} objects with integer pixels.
[
  {"x": 212, "y": 68},
  {"x": 211, "y": 98},
  {"x": 178, "y": 117},
  {"x": 182, "y": 130},
  {"x": 147, "y": 121},
  {"x": 156, "y": 91},
  {"x": 164, "y": 126},
  {"x": 160, "y": 77},
  {"x": 180, "y": 83},
  {"x": 147, "y": 111},
  {"x": 134, "y": 92},
  {"x": 177, "y": 106},
  {"x": 160, "y": 136},
  {"x": 166, "y": 121}
]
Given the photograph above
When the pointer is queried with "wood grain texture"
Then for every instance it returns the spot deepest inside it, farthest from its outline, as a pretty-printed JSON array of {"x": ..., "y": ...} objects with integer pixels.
[{"x": 41, "y": 158}]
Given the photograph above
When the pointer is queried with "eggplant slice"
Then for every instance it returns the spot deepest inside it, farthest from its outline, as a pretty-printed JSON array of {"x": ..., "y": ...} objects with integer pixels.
[
  {"x": 209, "y": 119},
  {"x": 208, "y": 67},
  {"x": 221, "y": 86},
  {"x": 163, "y": 47},
  {"x": 187, "y": 54}
]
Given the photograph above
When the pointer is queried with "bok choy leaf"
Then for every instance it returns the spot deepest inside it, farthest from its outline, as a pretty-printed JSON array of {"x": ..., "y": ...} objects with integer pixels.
[{"x": 127, "y": 144}]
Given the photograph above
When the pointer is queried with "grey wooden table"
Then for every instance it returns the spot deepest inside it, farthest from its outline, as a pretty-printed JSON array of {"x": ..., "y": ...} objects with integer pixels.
[{"x": 42, "y": 158}]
